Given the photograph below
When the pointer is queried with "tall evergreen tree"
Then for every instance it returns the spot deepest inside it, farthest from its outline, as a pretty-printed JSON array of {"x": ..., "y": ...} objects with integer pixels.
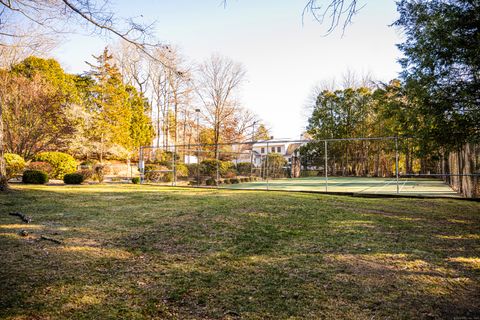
[
  {"x": 442, "y": 65},
  {"x": 110, "y": 105}
]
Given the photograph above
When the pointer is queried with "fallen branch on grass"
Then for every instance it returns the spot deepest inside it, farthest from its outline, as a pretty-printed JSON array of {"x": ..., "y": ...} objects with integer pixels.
[
  {"x": 24, "y": 218},
  {"x": 50, "y": 239}
]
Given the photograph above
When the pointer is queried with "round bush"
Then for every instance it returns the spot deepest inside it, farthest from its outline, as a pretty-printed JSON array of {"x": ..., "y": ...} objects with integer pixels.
[
  {"x": 73, "y": 178},
  {"x": 244, "y": 168},
  {"x": 34, "y": 177},
  {"x": 181, "y": 170},
  {"x": 14, "y": 164},
  {"x": 211, "y": 182},
  {"x": 61, "y": 163},
  {"x": 234, "y": 181},
  {"x": 136, "y": 180},
  {"x": 226, "y": 181}
]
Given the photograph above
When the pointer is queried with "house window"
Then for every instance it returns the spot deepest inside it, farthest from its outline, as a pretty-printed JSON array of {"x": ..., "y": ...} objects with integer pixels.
[
  {"x": 262, "y": 150},
  {"x": 279, "y": 149},
  {"x": 273, "y": 149}
]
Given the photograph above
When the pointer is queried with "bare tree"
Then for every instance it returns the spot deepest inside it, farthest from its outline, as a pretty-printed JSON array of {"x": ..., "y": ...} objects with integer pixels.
[
  {"x": 219, "y": 79},
  {"x": 15, "y": 49},
  {"x": 171, "y": 93},
  {"x": 58, "y": 17},
  {"x": 338, "y": 12},
  {"x": 133, "y": 65}
]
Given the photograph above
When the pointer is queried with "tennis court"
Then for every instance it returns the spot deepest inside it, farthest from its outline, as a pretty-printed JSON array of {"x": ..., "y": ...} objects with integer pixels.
[{"x": 406, "y": 186}]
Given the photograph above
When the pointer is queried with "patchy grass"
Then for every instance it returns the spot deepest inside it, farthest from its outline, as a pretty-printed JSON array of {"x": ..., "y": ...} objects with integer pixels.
[{"x": 150, "y": 252}]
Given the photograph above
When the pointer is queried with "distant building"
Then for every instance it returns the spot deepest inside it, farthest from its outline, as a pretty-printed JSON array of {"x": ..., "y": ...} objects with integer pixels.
[{"x": 286, "y": 148}]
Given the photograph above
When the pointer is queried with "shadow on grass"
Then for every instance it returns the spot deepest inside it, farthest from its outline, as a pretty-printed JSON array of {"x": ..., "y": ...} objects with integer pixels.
[{"x": 156, "y": 253}]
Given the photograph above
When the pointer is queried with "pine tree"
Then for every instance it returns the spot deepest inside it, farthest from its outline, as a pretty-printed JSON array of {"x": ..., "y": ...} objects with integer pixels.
[{"x": 113, "y": 114}]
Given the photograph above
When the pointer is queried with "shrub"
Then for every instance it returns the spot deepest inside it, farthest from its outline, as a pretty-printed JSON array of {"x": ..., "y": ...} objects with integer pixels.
[
  {"x": 209, "y": 167},
  {"x": 276, "y": 163},
  {"x": 181, "y": 170},
  {"x": 136, "y": 180},
  {"x": 61, "y": 163},
  {"x": 99, "y": 172},
  {"x": 87, "y": 174},
  {"x": 230, "y": 174},
  {"x": 14, "y": 164},
  {"x": 168, "y": 177},
  {"x": 225, "y": 168},
  {"x": 211, "y": 182},
  {"x": 34, "y": 177},
  {"x": 226, "y": 181},
  {"x": 244, "y": 168},
  {"x": 196, "y": 182},
  {"x": 73, "y": 178},
  {"x": 153, "y": 174},
  {"x": 40, "y": 166},
  {"x": 192, "y": 169},
  {"x": 234, "y": 181}
]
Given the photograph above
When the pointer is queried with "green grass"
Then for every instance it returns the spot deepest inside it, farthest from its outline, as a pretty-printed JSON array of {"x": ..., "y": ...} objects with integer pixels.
[
  {"x": 137, "y": 252},
  {"x": 366, "y": 185}
]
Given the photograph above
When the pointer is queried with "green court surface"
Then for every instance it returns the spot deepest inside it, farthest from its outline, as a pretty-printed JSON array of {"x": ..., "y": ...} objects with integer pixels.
[{"x": 406, "y": 186}]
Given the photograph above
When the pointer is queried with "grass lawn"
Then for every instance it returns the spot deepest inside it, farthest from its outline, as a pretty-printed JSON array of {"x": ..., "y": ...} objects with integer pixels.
[{"x": 139, "y": 252}]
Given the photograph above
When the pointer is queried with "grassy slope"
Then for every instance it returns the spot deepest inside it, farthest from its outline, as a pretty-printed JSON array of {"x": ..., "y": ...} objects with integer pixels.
[{"x": 152, "y": 252}]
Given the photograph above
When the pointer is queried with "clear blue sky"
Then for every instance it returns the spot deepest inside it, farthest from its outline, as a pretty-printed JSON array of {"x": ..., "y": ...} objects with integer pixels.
[{"x": 283, "y": 58}]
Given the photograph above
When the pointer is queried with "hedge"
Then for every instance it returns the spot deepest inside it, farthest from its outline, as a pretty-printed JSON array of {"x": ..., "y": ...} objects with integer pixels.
[
  {"x": 73, "y": 178},
  {"x": 61, "y": 163},
  {"x": 34, "y": 177},
  {"x": 136, "y": 180}
]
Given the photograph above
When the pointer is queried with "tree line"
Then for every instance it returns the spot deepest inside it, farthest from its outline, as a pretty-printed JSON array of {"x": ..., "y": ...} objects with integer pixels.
[
  {"x": 122, "y": 102},
  {"x": 434, "y": 105}
]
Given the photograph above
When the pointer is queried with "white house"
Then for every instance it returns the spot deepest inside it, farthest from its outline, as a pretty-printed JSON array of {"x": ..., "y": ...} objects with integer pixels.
[{"x": 281, "y": 146}]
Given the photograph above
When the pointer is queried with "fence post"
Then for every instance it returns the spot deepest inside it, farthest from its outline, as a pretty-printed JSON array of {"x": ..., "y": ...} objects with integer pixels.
[
  {"x": 173, "y": 165},
  {"x": 326, "y": 166},
  {"x": 396, "y": 163},
  {"x": 266, "y": 166},
  {"x": 141, "y": 166}
]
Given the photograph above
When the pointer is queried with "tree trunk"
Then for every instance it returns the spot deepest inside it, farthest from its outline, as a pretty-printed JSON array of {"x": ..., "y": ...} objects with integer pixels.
[
  {"x": 101, "y": 148},
  {"x": 3, "y": 169}
]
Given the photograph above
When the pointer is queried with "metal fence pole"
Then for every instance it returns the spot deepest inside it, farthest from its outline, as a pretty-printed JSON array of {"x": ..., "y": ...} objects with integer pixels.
[
  {"x": 396, "y": 163},
  {"x": 251, "y": 151},
  {"x": 141, "y": 165},
  {"x": 266, "y": 166},
  {"x": 173, "y": 166},
  {"x": 198, "y": 167},
  {"x": 326, "y": 166},
  {"x": 217, "y": 169}
]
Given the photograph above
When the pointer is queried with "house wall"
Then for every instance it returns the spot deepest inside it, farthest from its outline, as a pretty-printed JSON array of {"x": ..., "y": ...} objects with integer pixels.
[{"x": 270, "y": 146}]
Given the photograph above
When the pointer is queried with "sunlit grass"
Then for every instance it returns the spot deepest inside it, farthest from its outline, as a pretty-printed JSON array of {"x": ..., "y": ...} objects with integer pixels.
[{"x": 137, "y": 252}]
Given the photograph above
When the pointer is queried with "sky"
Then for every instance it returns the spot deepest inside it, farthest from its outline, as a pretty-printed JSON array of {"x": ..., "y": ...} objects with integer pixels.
[{"x": 285, "y": 57}]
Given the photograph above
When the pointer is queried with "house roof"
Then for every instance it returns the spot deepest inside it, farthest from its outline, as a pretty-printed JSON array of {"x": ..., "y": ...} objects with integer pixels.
[{"x": 292, "y": 147}]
